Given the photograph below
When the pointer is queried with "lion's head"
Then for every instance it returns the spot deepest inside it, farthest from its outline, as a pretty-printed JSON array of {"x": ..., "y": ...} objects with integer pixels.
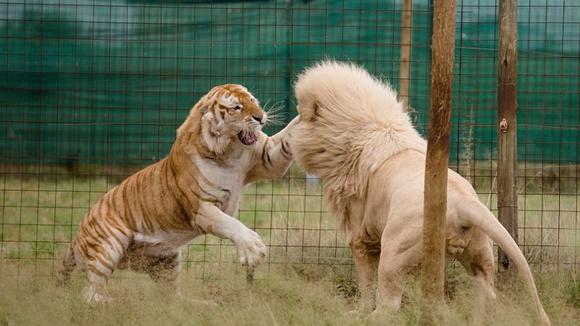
[{"x": 228, "y": 114}]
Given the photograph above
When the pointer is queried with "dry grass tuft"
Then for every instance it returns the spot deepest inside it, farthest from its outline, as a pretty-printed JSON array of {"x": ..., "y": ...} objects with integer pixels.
[{"x": 290, "y": 296}]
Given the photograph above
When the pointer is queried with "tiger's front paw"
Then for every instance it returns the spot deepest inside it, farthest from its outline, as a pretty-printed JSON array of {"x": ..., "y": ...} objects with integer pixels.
[{"x": 251, "y": 250}]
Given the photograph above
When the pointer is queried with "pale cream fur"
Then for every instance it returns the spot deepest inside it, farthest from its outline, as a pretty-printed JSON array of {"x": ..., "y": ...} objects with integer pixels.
[{"x": 354, "y": 135}]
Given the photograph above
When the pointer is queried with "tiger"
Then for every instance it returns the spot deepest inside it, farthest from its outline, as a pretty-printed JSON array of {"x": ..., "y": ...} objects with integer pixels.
[{"x": 143, "y": 223}]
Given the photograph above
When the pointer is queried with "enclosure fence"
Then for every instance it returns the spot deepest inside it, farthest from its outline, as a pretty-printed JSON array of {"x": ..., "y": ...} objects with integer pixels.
[{"x": 93, "y": 90}]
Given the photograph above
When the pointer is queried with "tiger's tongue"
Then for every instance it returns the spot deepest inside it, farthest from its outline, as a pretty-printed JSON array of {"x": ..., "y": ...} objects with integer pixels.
[{"x": 247, "y": 139}]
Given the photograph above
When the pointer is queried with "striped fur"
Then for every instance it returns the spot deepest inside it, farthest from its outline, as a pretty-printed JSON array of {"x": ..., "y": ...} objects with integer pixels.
[{"x": 143, "y": 222}]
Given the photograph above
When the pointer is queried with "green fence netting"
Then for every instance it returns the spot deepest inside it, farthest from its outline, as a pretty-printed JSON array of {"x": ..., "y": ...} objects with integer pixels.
[{"x": 108, "y": 82}]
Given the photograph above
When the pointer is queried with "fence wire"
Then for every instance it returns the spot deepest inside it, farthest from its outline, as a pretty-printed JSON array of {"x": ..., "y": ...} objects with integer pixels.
[{"x": 91, "y": 91}]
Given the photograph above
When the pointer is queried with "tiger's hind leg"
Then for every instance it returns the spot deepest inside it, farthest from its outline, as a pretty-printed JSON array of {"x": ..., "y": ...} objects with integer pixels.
[
  {"x": 68, "y": 265},
  {"x": 100, "y": 261}
]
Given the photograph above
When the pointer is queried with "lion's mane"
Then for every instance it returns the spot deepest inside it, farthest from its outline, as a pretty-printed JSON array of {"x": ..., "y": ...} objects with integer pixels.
[{"x": 342, "y": 145}]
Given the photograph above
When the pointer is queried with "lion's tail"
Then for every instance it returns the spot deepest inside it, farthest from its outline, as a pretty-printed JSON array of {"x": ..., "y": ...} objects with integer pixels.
[
  {"x": 478, "y": 214},
  {"x": 68, "y": 265}
]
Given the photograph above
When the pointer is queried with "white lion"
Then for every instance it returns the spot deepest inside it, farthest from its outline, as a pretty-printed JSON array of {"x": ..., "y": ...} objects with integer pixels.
[{"x": 354, "y": 135}]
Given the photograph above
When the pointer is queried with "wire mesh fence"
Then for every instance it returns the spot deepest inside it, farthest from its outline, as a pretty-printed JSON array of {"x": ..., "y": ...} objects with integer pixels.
[{"x": 92, "y": 91}]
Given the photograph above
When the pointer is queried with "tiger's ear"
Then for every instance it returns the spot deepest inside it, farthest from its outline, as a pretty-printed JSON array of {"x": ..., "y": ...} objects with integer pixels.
[
  {"x": 308, "y": 111},
  {"x": 193, "y": 115}
]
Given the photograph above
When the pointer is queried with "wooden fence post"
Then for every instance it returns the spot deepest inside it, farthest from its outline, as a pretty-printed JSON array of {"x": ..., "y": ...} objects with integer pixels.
[
  {"x": 507, "y": 200},
  {"x": 405, "y": 55},
  {"x": 435, "y": 205}
]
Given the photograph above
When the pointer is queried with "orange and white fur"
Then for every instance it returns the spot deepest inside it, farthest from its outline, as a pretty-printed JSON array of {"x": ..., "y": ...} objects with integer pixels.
[
  {"x": 354, "y": 135},
  {"x": 143, "y": 223}
]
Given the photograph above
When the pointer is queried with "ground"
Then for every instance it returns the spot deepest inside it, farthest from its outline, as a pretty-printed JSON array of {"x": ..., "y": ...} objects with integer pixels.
[
  {"x": 318, "y": 296},
  {"x": 307, "y": 279}
]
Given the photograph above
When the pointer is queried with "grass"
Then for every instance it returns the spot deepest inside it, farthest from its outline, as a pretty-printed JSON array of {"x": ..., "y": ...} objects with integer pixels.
[
  {"x": 307, "y": 280},
  {"x": 313, "y": 298},
  {"x": 40, "y": 215}
]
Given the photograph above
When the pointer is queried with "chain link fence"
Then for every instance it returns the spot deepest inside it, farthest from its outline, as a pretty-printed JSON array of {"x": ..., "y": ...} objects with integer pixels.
[{"x": 93, "y": 90}]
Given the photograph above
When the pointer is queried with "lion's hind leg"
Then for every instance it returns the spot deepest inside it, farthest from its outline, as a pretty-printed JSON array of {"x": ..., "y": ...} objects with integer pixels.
[
  {"x": 366, "y": 255},
  {"x": 478, "y": 260},
  {"x": 400, "y": 252}
]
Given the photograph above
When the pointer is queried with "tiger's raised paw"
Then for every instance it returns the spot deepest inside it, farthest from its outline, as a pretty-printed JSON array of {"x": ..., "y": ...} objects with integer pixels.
[{"x": 251, "y": 249}]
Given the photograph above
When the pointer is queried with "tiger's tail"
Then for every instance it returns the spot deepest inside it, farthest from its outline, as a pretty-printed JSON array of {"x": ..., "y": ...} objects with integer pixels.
[{"x": 68, "y": 265}]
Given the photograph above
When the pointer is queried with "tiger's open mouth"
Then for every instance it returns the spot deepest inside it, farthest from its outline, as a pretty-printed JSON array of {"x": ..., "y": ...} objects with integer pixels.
[{"x": 247, "y": 137}]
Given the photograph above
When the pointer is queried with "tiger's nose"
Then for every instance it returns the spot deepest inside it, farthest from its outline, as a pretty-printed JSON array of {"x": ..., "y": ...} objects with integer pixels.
[{"x": 259, "y": 119}]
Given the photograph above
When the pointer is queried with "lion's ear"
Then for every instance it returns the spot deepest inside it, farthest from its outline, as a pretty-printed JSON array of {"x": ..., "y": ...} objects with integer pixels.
[{"x": 308, "y": 111}]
